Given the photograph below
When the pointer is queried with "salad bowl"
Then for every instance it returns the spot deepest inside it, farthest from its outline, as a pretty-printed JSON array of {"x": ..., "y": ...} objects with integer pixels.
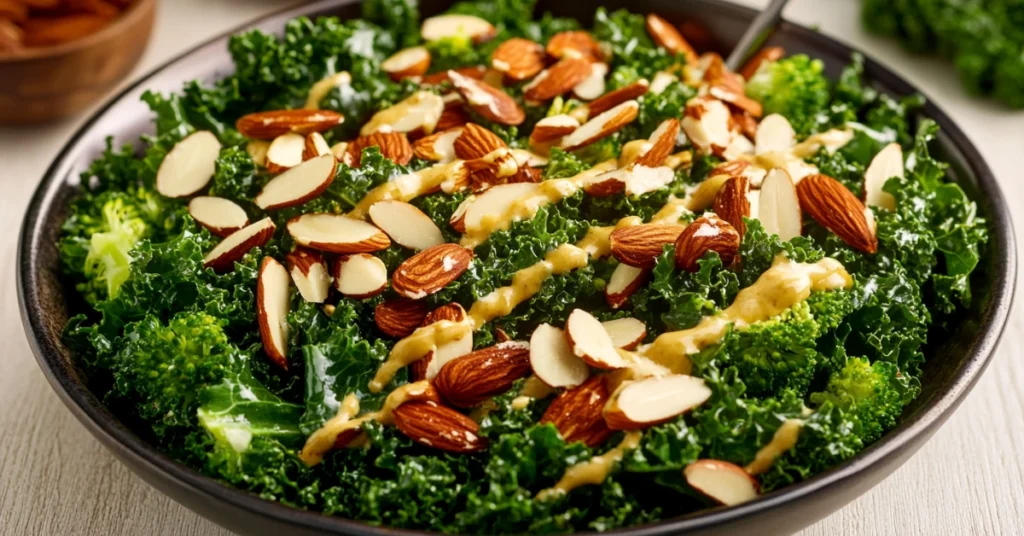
[{"x": 957, "y": 356}]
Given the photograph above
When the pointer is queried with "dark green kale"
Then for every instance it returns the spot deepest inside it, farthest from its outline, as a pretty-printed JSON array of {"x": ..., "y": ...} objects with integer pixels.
[
  {"x": 795, "y": 87},
  {"x": 634, "y": 53},
  {"x": 676, "y": 299}
]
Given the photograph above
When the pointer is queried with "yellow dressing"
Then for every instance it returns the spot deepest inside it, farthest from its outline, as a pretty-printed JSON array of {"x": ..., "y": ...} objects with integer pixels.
[
  {"x": 533, "y": 389},
  {"x": 323, "y": 87},
  {"x": 415, "y": 346},
  {"x": 784, "y": 439},
  {"x": 409, "y": 187},
  {"x": 593, "y": 471}
]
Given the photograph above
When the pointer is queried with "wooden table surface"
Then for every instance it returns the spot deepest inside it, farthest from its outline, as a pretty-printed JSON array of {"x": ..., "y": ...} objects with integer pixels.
[{"x": 56, "y": 479}]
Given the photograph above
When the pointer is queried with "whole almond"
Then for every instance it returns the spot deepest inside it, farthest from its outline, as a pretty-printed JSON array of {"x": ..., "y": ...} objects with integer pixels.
[
  {"x": 640, "y": 245},
  {"x": 732, "y": 204},
  {"x": 559, "y": 79},
  {"x": 430, "y": 270},
  {"x": 838, "y": 210},
  {"x": 476, "y": 142},
  {"x": 399, "y": 318},
  {"x": 519, "y": 59},
  {"x": 433, "y": 425},
  {"x": 498, "y": 167},
  {"x": 574, "y": 44},
  {"x": 763, "y": 55},
  {"x": 393, "y": 145},
  {"x": 490, "y": 102},
  {"x": 452, "y": 117},
  {"x": 668, "y": 37},
  {"x": 452, "y": 312},
  {"x": 269, "y": 125},
  {"x": 466, "y": 381},
  {"x": 707, "y": 233},
  {"x": 577, "y": 413},
  {"x": 618, "y": 96}
]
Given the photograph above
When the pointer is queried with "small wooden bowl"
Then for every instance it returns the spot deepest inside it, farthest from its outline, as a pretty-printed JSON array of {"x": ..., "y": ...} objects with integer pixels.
[{"x": 50, "y": 83}]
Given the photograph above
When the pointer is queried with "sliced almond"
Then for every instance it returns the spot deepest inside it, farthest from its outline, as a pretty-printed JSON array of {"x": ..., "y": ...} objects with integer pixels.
[
  {"x": 427, "y": 367},
  {"x": 774, "y": 133},
  {"x": 285, "y": 152},
  {"x": 732, "y": 203},
  {"x": 458, "y": 218},
  {"x": 634, "y": 180},
  {"x": 616, "y": 97},
  {"x": 724, "y": 482},
  {"x": 574, "y": 44},
  {"x": 359, "y": 276},
  {"x": 603, "y": 125},
  {"x": 529, "y": 158},
  {"x": 437, "y": 147},
  {"x": 518, "y": 59},
  {"x": 737, "y": 98},
  {"x": 707, "y": 124},
  {"x": 590, "y": 342},
  {"x": 430, "y": 270},
  {"x": 223, "y": 256},
  {"x": 392, "y": 145},
  {"x": 189, "y": 165},
  {"x": 661, "y": 81},
  {"x": 496, "y": 200},
  {"x": 626, "y": 333},
  {"x": 399, "y": 318},
  {"x": 407, "y": 225},
  {"x": 494, "y": 104},
  {"x": 413, "y": 61},
  {"x": 452, "y": 117},
  {"x": 836, "y": 209},
  {"x": 419, "y": 113},
  {"x": 476, "y": 72},
  {"x": 888, "y": 163},
  {"x": 651, "y": 401},
  {"x": 552, "y": 128},
  {"x": 640, "y": 245},
  {"x": 557, "y": 80},
  {"x": 625, "y": 280},
  {"x": 476, "y": 142},
  {"x": 455, "y": 25},
  {"x": 662, "y": 140},
  {"x": 667, "y": 36},
  {"x": 766, "y": 54},
  {"x": 273, "y": 302},
  {"x": 257, "y": 150},
  {"x": 739, "y": 146},
  {"x": 336, "y": 233},
  {"x": 309, "y": 273},
  {"x": 220, "y": 216},
  {"x": 497, "y": 167},
  {"x": 779, "y": 208},
  {"x": 707, "y": 233},
  {"x": 298, "y": 184},
  {"x": 592, "y": 86},
  {"x": 552, "y": 358},
  {"x": 274, "y": 123},
  {"x": 315, "y": 146},
  {"x": 577, "y": 413},
  {"x": 746, "y": 123},
  {"x": 339, "y": 149}
]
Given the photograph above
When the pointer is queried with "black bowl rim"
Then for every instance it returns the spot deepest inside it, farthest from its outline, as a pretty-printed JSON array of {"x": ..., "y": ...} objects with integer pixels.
[{"x": 88, "y": 409}]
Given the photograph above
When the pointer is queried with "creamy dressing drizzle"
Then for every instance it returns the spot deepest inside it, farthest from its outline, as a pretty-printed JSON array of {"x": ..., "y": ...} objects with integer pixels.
[
  {"x": 533, "y": 389},
  {"x": 409, "y": 187},
  {"x": 412, "y": 348},
  {"x": 593, "y": 471},
  {"x": 784, "y": 439}
]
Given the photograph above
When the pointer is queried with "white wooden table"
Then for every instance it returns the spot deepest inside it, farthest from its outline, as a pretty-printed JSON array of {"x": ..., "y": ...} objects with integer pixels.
[{"x": 56, "y": 479}]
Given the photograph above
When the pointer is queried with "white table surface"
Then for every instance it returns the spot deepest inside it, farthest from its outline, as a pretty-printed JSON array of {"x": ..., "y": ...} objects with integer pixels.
[{"x": 56, "y": 479}]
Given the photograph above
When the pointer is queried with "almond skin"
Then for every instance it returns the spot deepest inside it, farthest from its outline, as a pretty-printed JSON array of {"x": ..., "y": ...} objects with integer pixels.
[
  {"x": 574, "y": 43},
  {"x": 399, "y": 318},
  {"x": 619, "y": 297},
  {"x": 620, "y": 117},
  {"x": 746, "y": 124},
  {"x": 763, "y": 55},
  {"x": 559, "y": 79},
  {"x": 452, "y": 312},
  {"x": 577, "y": 413},
  {"x": 640, "y": 245},
  {"x": 269, "y": 125},
  {"x": 705, "y": 234},
  {"x": 490, "y": 102},
  {"x": 548, "y": 130},
  {"x": 732, "y": 204},
  {"x": 838, "y": 210},
  {"x": 476, "y": 142},
  {"x": 519, "y": 59},
  {"x": 430, "y": 270},
  {"x": 475, "y": 71},
  {"x": 433, "y": 425},
  {"x": 466, "y": 381},
  {"x": 393, "y": 145},
  {"x": 668, "y": 37},
  {"x": 662, "y": 147},
  {"x": 616, "y": 97}
]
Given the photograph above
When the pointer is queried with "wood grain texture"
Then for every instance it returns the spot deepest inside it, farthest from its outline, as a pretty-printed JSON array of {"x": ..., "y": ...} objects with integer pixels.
[{"x": 56, "y": 479}]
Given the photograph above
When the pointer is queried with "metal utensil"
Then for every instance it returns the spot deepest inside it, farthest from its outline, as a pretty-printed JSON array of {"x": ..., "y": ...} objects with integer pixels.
[{"x": 757, "y": 33}]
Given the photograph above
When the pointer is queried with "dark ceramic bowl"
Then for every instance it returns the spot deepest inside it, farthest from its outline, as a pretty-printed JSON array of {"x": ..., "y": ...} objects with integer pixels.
[{"x": 956, "y": 357}]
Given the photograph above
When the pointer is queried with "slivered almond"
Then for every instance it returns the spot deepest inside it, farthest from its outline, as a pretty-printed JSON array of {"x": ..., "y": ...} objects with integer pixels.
[
  {"x": 651, "y": 401},
  {"x": 468, "y": 380},
  {"x": 393, "y": 145},
  {"x": 475, "y": 72},
  {"x": 492, "y": 103},
  {"x": 888, "y": 163},
  {"x": 602, "y": 126},
  {"x": 552, "y": 359},
  {"x": 427, "y": 367},
  {"x": 557, "y": 80},
  {"x": 437, "y": 147},
  {"x": 736, "y": 98},
  {"x": 667, "y": 36},
  {"x": 640, "y": 245},
  {"x": 269, "y": 125},
  {"x": 359, "y": 276},
  {"x": 529, "y": 158},
  {"x": 707, "y": 233},
  {"x": 745, "y": 122},
  {"x": 838, "y": 210},
  {"x": 476, "y": 142},
  {"x": 189, "y": 165},
  {"x": 661, "y": 81},
  {"x": 552, "y": 128},
  {"x": 633, "y": 180},
  {"x": 625, "y": 280},
  {"x": 407, "y": 225},
  {"x": 616, "y": 97},
  {"x": 769, "y": 54},
  {"x": 592, "y": 86},
  {"x": 339, "y": 149},
  {"x": 309, "y": 273},
  {"x": 663, "y": 140},
  {"x": 732, "y": 203},
  {"x": 496, "y": 200},
  {"x": 458, "y": 218},
  {"x": 285, "y": 152},
  {"x": 417, "y": 114},
  {"x": 223, "y": 256},
  {"x": 272, "y": 306},
  {"x": 257, "y": 150},
  {"x": 315, "y": 145},
  {"x": 577, "y": 413},
  {"x": 220, "y": 216},
  {"x": 774, "y": 133},
  {"x": 518, "y": 59},
  {"x": 626, "y": 333},
  {"x": 433, "y": 425},
  {"x": 399, "y": 318},
  {"x": 413, "y": 61},
  {"x": 707, "y": 124},
  {"x": 779, "y": 207},
  {"x": 574, "y": 44},
  {"x": 298, "y": 184},
  {"x": 455, "y": 25},
  {"x": 590, "y": 342},
  {"x": 724, "y": 482},
  {"x": 336, "y": 233},
  {"x": 430, "y": 270}
]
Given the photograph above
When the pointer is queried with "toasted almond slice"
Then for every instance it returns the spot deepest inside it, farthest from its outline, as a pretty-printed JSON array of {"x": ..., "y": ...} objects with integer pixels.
[
  {"x": 838, "y": 210},
  {"x": 732, "y": 203},
  {"x": 458, "y": 218},
  {"x": 492, "y": 103},
  {"x": 626, "y": 333},
  {"x": 257, "y": 150},
  {"x": 574, "y": 44},
  {"x": 602, "y": 126},
  {"x": 298, "y": 184},
  {"x": 315, "y": 146},
  {"x": 189, "y": 165},
  {"x": 552, "y": 128},
  {"x": 607, "y": 184},
  {"x": 285, "y": 152},
  {"x": 496, "y": 200},
  {"x": 739, "y": 146},
  {"x": 427, "y": 367},
  {"x": 412, "y": 61},
  {"x": 359, "y": 276},
  {"x": 339, "y": 150},
  {"x": 476, "y": 72},
  {"x": 223, "y": 256},
  {"x": 392, "y": 145},
  {"x": 661, "y": 81},
  {"x": 707, "y": 233},
  {"x": 746, "y": 123},
  {"x": 309, "y": 273},
  {"x": 592, "y": 86},
  {"x": 769, "y": 54},
  {"x": 437, "y": 147},
  {"x": 476, "y": 142},
  {"x": 888, "y": 163},
  {"x": 273, "y": 302},
  {"x": 779, "y": 207},
  {"x": 625, "y": 280},
  {"x": 271, "y": 124},
  {"x": 652, "y": 401},
  {"x": 616, "y": 97},
  {"x": 774, "y": 133},
  {"x": 640, "y": 245},
  {"x": 407, "y": 225},
  {"x": 430, "y": 270},
  {"x": 737, "y": 98},
  {"x": 399, "y": 318},
  {"x": 724, "y": 482},
  {"x": 590, "y": 342},
  {"x": 336, "y": 233},
  {"x": 519, "y": 59},
  {"x": 420, "y": 112},
  {"x": 454, "y": 25},
  {"x": 220, "y": 216},
  {"x": 707, "y": 124},
  {"x": 668, "y": 37},
  {"x": 662, "y": 140},
  {"x": 634, "y": 180},
  {"x": 557, "y": 80},
  {"x": 552, "y": 358},
  {"x": 497, "y": 167},
  {"x": 452, "y": 117}
]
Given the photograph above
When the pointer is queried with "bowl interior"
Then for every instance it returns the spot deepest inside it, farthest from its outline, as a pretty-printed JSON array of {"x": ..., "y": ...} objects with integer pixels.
[{"x": 956, "y": 357}]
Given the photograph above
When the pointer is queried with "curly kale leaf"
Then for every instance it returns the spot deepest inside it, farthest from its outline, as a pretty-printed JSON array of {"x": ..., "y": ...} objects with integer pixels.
[
  {"x": 563, "y": 164},
  {"x": 758, "y": 249},
  {"x": 634, "y": 53},
  {"x": 401, "y": 18},
  {"x": 677, "y": 299}
]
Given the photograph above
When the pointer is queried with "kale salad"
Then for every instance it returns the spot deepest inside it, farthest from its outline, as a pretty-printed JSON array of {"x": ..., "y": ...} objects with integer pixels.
[{"x": 495, "y": 271}]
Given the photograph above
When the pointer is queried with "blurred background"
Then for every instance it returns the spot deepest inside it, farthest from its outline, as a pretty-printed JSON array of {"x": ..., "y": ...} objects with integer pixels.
[{"x": 60, "y": 59}]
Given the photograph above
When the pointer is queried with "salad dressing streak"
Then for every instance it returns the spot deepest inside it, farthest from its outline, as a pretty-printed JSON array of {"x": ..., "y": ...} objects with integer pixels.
[
  {"x": 412, "y": 348},
  {"x": 409, "y": 187},
  {"x": 784, "y": 439},
  {"x": 592, "y": 471}
]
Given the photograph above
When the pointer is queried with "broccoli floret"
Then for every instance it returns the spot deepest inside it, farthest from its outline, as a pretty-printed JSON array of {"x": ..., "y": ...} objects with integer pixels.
[
  {"x": 794, "y": 87},
  {"x": 873, "y": 393},
  {"x": 452, "y": 52}
]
